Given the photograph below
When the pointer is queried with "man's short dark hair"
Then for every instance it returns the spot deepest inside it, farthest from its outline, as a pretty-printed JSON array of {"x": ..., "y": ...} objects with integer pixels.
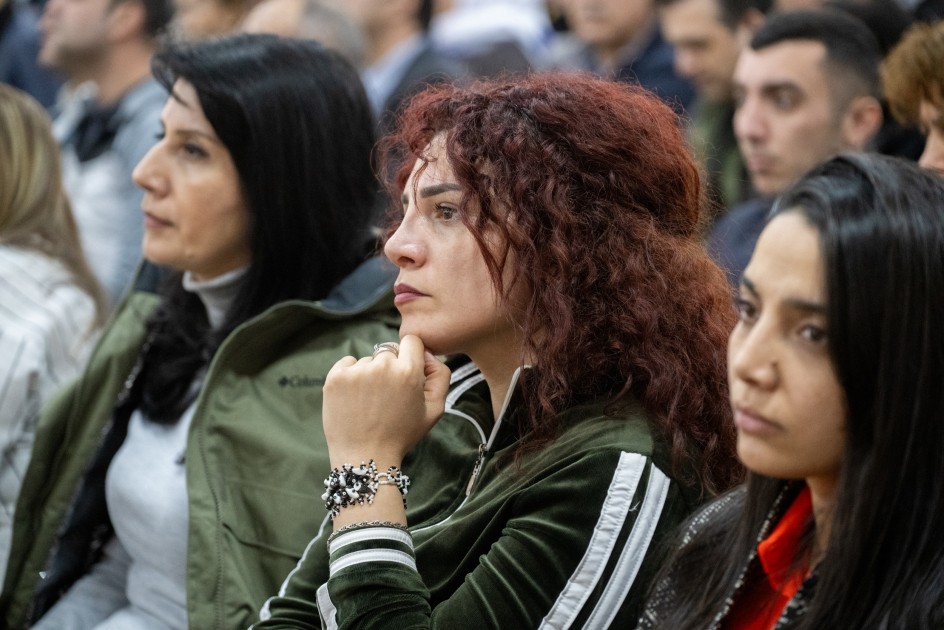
[
  {"x": 733, "y": 11},
  {"x": 851, "y": 48},
  {"x": 425, "y": 15},
  {"x": 157, "y": 15},
  {"x": 730, "y": 12}
]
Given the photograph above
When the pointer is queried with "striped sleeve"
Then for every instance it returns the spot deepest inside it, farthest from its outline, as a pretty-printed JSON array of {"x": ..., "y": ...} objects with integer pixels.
[
  {"x": 603, "y": 551},
  {"x": 45, "y": 336},
  {"x": 574, "y": 552}
]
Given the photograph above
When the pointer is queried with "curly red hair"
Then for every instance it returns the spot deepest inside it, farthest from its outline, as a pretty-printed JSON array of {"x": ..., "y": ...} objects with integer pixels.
[{"x": 594, "y": 191}]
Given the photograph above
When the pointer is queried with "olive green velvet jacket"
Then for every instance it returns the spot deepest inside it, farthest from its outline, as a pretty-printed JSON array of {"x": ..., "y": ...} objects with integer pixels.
[{"x": 256, "y": 455}]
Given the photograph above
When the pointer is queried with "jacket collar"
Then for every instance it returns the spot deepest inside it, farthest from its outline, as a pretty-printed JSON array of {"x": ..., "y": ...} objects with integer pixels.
[
  {"x": 363, "y": 289},
  {"x": 797, "y": 605}
]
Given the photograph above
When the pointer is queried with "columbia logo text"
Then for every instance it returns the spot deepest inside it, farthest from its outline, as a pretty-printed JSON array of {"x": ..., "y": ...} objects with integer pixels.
[{"x": 298, "y": 380}]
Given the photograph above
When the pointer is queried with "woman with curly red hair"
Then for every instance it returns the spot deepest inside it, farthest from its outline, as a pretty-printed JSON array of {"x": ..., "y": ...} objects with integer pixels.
[{"x": 547, "y": 241}]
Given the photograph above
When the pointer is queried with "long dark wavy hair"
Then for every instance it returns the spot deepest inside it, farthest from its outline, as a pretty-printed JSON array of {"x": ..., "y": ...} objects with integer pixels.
[
  {"x": 597, "y": 199},
  {"x": 297, "y": 123},
  {"x": 881, "y": 234}
]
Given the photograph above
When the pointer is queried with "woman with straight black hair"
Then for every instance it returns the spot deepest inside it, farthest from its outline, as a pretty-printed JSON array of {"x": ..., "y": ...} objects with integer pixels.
[
  {"x": 835, "y": 371},
  {"x": 163, "y": 485}
]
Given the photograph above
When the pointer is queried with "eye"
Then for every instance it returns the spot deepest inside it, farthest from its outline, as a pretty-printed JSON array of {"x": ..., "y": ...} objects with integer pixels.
[
  {"x": 446, "y": 213},
  {"x": 193, "y": 150},
  {"x": 785, "y": 99},
  {"x": 747, "y": 312},
  {"x": 813, "y": 334},
  {"x": 159, "y": 136}
]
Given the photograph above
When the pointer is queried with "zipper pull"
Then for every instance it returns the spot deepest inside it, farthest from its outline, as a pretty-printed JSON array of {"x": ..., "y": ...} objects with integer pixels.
[{"x": 483, "y": 449}]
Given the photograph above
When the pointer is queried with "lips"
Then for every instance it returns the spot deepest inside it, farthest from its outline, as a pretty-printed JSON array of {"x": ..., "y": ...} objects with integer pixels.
[
  {"x": 404, "y": 293},
  {"x": 758, "y": 164},
  {"x": 750, "y": 421},
  {"x": 152, "y": 221}
]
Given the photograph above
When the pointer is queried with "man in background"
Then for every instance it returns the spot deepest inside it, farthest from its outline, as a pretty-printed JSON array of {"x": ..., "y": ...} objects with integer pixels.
[
  {"x": 400, "y": 60},
  {"x": 308, "y": 19},
  {"x": 103, "y": 48},
  {"x": 804, "y": 90},
  {"x": 708, "y": 36},
  {"x": 621, "y": 39},
  {"x": 19, "y": 45}
]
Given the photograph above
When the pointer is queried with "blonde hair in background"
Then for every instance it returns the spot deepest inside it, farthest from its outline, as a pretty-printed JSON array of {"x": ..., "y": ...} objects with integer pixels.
[{"x": 34, "y": 210}]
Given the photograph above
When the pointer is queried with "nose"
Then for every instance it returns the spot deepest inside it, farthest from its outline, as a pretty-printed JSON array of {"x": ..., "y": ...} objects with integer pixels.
[
  {"x": 933, "y": 156},
  {"x": 49, "y": 11},
  {"x": 147, "y": 173},
  {"x": 685, "y": 63},
  {"x": 752, "y": 356},
  {"x": 405, "y": 247},
  {"x": 749, "y": 121}
]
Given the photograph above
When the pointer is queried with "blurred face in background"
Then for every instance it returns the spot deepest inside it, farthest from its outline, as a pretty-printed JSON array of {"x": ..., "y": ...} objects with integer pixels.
[
  {"x": 278, "y": 17},
  {"x": 199, "y": 19},
  {"x": 608, "y": 25},
  {"x": 706, "y": 49},
  {"x": 785, "y": 119},
  {"x": 74, "y": 34}
]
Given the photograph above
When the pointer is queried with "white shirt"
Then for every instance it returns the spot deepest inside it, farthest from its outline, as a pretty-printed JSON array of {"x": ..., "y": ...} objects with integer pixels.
[{"x": 45, "y": 337}]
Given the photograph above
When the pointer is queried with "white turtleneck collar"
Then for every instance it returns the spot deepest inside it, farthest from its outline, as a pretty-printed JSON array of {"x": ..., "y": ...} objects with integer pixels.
[{"x": 217, "y": 294}]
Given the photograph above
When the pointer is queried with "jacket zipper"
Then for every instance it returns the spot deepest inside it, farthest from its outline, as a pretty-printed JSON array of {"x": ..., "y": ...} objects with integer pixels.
[{"x": 483, "y": 450}]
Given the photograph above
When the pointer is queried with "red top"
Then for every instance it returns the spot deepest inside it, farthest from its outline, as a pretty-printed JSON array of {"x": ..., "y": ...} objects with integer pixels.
[{"x": 760, "y": 604}]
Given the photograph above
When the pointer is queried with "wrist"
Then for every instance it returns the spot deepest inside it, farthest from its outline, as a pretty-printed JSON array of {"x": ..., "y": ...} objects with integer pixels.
[{"x": 381, "y": 460}]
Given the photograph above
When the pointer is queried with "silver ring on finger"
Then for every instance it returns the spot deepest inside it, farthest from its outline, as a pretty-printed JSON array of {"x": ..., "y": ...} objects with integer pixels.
[{"x": 386, "y": 346}]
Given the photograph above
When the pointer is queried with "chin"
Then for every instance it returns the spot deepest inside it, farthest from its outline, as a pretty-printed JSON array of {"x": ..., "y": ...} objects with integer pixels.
[
  {"x": 770, "y": 188},
  {"x": 431, "y": 342}
]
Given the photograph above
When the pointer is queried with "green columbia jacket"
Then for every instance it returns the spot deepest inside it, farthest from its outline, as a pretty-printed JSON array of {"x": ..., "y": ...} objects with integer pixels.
[
  {"x": 570, "y": 538},
  {"x": 256, "y": 454}
]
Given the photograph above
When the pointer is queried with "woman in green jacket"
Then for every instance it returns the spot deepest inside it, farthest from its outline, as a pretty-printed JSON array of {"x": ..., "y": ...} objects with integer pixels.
[
  {"x": 547, "y": 230},
  {"x": 162, "y": 486}
]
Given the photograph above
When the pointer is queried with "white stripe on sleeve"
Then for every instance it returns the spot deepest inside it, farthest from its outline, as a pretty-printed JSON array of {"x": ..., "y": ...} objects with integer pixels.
[{"x": 613, "y": 514}]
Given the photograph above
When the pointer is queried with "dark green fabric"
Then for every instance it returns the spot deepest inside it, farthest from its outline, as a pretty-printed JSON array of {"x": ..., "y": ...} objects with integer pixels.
[
  {"x": 256, "y": 456},
  {"x": 501, "y": 558},
  {"x": 715, "y": 146}
]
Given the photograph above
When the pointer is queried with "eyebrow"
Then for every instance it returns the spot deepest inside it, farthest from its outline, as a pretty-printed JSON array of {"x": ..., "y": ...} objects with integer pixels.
[
  {"x": 191, "y": 132},
  {"x": 747, "y": 284},
  {"x": 768, "y": 87},
  {"x": 432, "y": 191},
  {"x": 174, "y": 95},
  {"x": 795, "y": 304},
  {"x": 780, "y": 86}
]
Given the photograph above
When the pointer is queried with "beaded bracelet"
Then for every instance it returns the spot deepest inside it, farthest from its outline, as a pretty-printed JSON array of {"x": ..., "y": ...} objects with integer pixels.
[{"x": 349, "y": 486}]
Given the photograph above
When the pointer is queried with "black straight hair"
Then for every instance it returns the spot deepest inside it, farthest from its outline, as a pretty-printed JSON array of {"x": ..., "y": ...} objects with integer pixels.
[
  {"x": 881, "y": 225},
  {"x": 881, "y": 230},
  {"x": 297, "y": 123}
]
